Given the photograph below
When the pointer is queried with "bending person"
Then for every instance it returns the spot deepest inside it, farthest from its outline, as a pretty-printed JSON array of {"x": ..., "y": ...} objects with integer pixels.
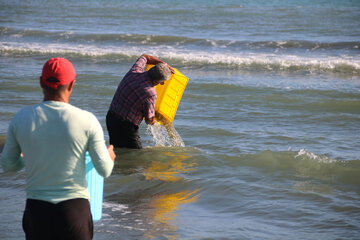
[{"x": 134, "y": 100}]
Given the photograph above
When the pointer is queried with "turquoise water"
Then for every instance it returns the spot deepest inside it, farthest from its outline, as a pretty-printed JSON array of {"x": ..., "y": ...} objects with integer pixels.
[{"x": 269, "y": 120}]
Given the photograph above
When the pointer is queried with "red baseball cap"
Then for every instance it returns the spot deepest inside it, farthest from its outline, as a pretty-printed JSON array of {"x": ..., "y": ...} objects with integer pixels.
[{"x": 59, "y": 68}]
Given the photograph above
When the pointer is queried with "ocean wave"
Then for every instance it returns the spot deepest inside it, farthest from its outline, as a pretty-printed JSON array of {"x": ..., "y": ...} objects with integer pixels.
[
  {"x": 254, "y": 61},
  {"x": 308, "y": 45},
  {"x": 151, "y": 39},
  {"x": 95, "y": 37},
  {"x": 304, "y": 154},
  {"x": 304, "y": 164}
]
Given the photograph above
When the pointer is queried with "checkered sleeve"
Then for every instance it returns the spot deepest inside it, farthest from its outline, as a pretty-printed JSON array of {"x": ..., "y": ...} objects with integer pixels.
[
  {"x": 139, "y": 65},
  {"x": 149, "y": 108}
]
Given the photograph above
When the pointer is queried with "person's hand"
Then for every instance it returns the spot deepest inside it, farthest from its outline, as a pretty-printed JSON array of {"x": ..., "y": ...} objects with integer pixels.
[
  {"x": 110, "y": 149},
  {"x": 151, "y": 121},
  {"x": 171, "y": 69}
]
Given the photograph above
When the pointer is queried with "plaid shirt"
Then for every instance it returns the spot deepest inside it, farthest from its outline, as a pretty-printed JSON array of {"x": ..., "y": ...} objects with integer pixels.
[{"x": 135, "y": 96}]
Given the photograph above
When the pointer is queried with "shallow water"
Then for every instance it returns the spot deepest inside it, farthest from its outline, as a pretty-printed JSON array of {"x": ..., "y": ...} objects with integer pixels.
[{"x": 268, "y": 125}]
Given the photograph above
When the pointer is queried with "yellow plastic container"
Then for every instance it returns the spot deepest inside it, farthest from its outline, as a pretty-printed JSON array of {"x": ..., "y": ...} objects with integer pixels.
[{"x": 169, "y": 96}]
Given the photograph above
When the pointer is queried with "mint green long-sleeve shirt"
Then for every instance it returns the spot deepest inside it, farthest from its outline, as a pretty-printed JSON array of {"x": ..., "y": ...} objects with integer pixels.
[{"x": 54, "y": 137}]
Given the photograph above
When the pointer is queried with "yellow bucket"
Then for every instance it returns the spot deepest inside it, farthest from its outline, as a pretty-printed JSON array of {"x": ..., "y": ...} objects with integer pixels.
[{"x": 169, "y": 96}]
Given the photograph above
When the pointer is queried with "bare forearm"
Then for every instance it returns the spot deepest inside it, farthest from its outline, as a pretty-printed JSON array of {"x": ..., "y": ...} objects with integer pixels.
[{"x": 152, "y": 60}]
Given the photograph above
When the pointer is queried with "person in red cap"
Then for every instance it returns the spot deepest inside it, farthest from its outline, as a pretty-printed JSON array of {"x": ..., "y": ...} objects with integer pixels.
[{"x": 50, "y": 140}]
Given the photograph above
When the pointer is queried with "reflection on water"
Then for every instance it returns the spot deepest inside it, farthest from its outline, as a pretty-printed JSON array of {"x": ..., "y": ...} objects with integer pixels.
[
  {"x": 163, "y": 206},
  {"x": 170, "y": 170},
  {"x": 154, "y": 184},
  {"x": 163, "y": 209}
]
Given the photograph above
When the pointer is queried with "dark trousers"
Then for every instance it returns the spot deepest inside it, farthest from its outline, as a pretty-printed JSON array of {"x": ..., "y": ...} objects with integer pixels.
[
  {"x": 122, "y": 133},
  {"x": 69, "y": 219}
]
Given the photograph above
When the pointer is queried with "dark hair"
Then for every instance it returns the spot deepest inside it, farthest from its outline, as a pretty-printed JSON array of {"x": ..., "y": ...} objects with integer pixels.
[{"x": 53, "y": 91}]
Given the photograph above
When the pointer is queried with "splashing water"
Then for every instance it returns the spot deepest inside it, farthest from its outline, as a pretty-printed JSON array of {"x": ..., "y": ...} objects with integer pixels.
[
  {"x": 303, "y": 154},
  {"x": 165, "y": 135}
]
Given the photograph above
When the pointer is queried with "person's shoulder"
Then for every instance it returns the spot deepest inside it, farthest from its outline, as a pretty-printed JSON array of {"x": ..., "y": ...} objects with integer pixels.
[
  {"x": 24, "y": 113},
  {"x": 81, "y": 111},
  {"x": 83, "y": 117},
  {"x": 31, "y": 107},
  {"x": 27, "y": 109}
]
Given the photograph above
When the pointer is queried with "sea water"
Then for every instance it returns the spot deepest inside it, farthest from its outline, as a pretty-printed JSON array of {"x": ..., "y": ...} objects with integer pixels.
[
  {"x": 165, "y": 135},
  {"x": 268, "y": 123}
]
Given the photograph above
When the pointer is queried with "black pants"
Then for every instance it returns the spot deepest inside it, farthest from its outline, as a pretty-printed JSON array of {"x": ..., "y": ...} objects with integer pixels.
[
  {"x": 122, "y": 133},
  {"x": 69, "y": 219}
]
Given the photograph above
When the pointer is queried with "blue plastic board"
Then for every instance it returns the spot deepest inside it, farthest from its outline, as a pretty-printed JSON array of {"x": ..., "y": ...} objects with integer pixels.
[{"x": 95, "y": 187}]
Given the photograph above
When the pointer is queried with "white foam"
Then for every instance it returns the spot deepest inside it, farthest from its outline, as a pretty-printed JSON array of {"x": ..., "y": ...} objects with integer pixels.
[
  {"x": 267, "y": 61},
  {"x": 116, "y": 207},
  {"x": 313, "y": 156}
]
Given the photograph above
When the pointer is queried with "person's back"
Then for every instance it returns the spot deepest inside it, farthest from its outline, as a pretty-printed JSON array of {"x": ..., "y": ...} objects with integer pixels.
[
  {"x": 54, "y": 138},
  {"x": 134, "y": 94},
  {"x": 50, "y": 140}
]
